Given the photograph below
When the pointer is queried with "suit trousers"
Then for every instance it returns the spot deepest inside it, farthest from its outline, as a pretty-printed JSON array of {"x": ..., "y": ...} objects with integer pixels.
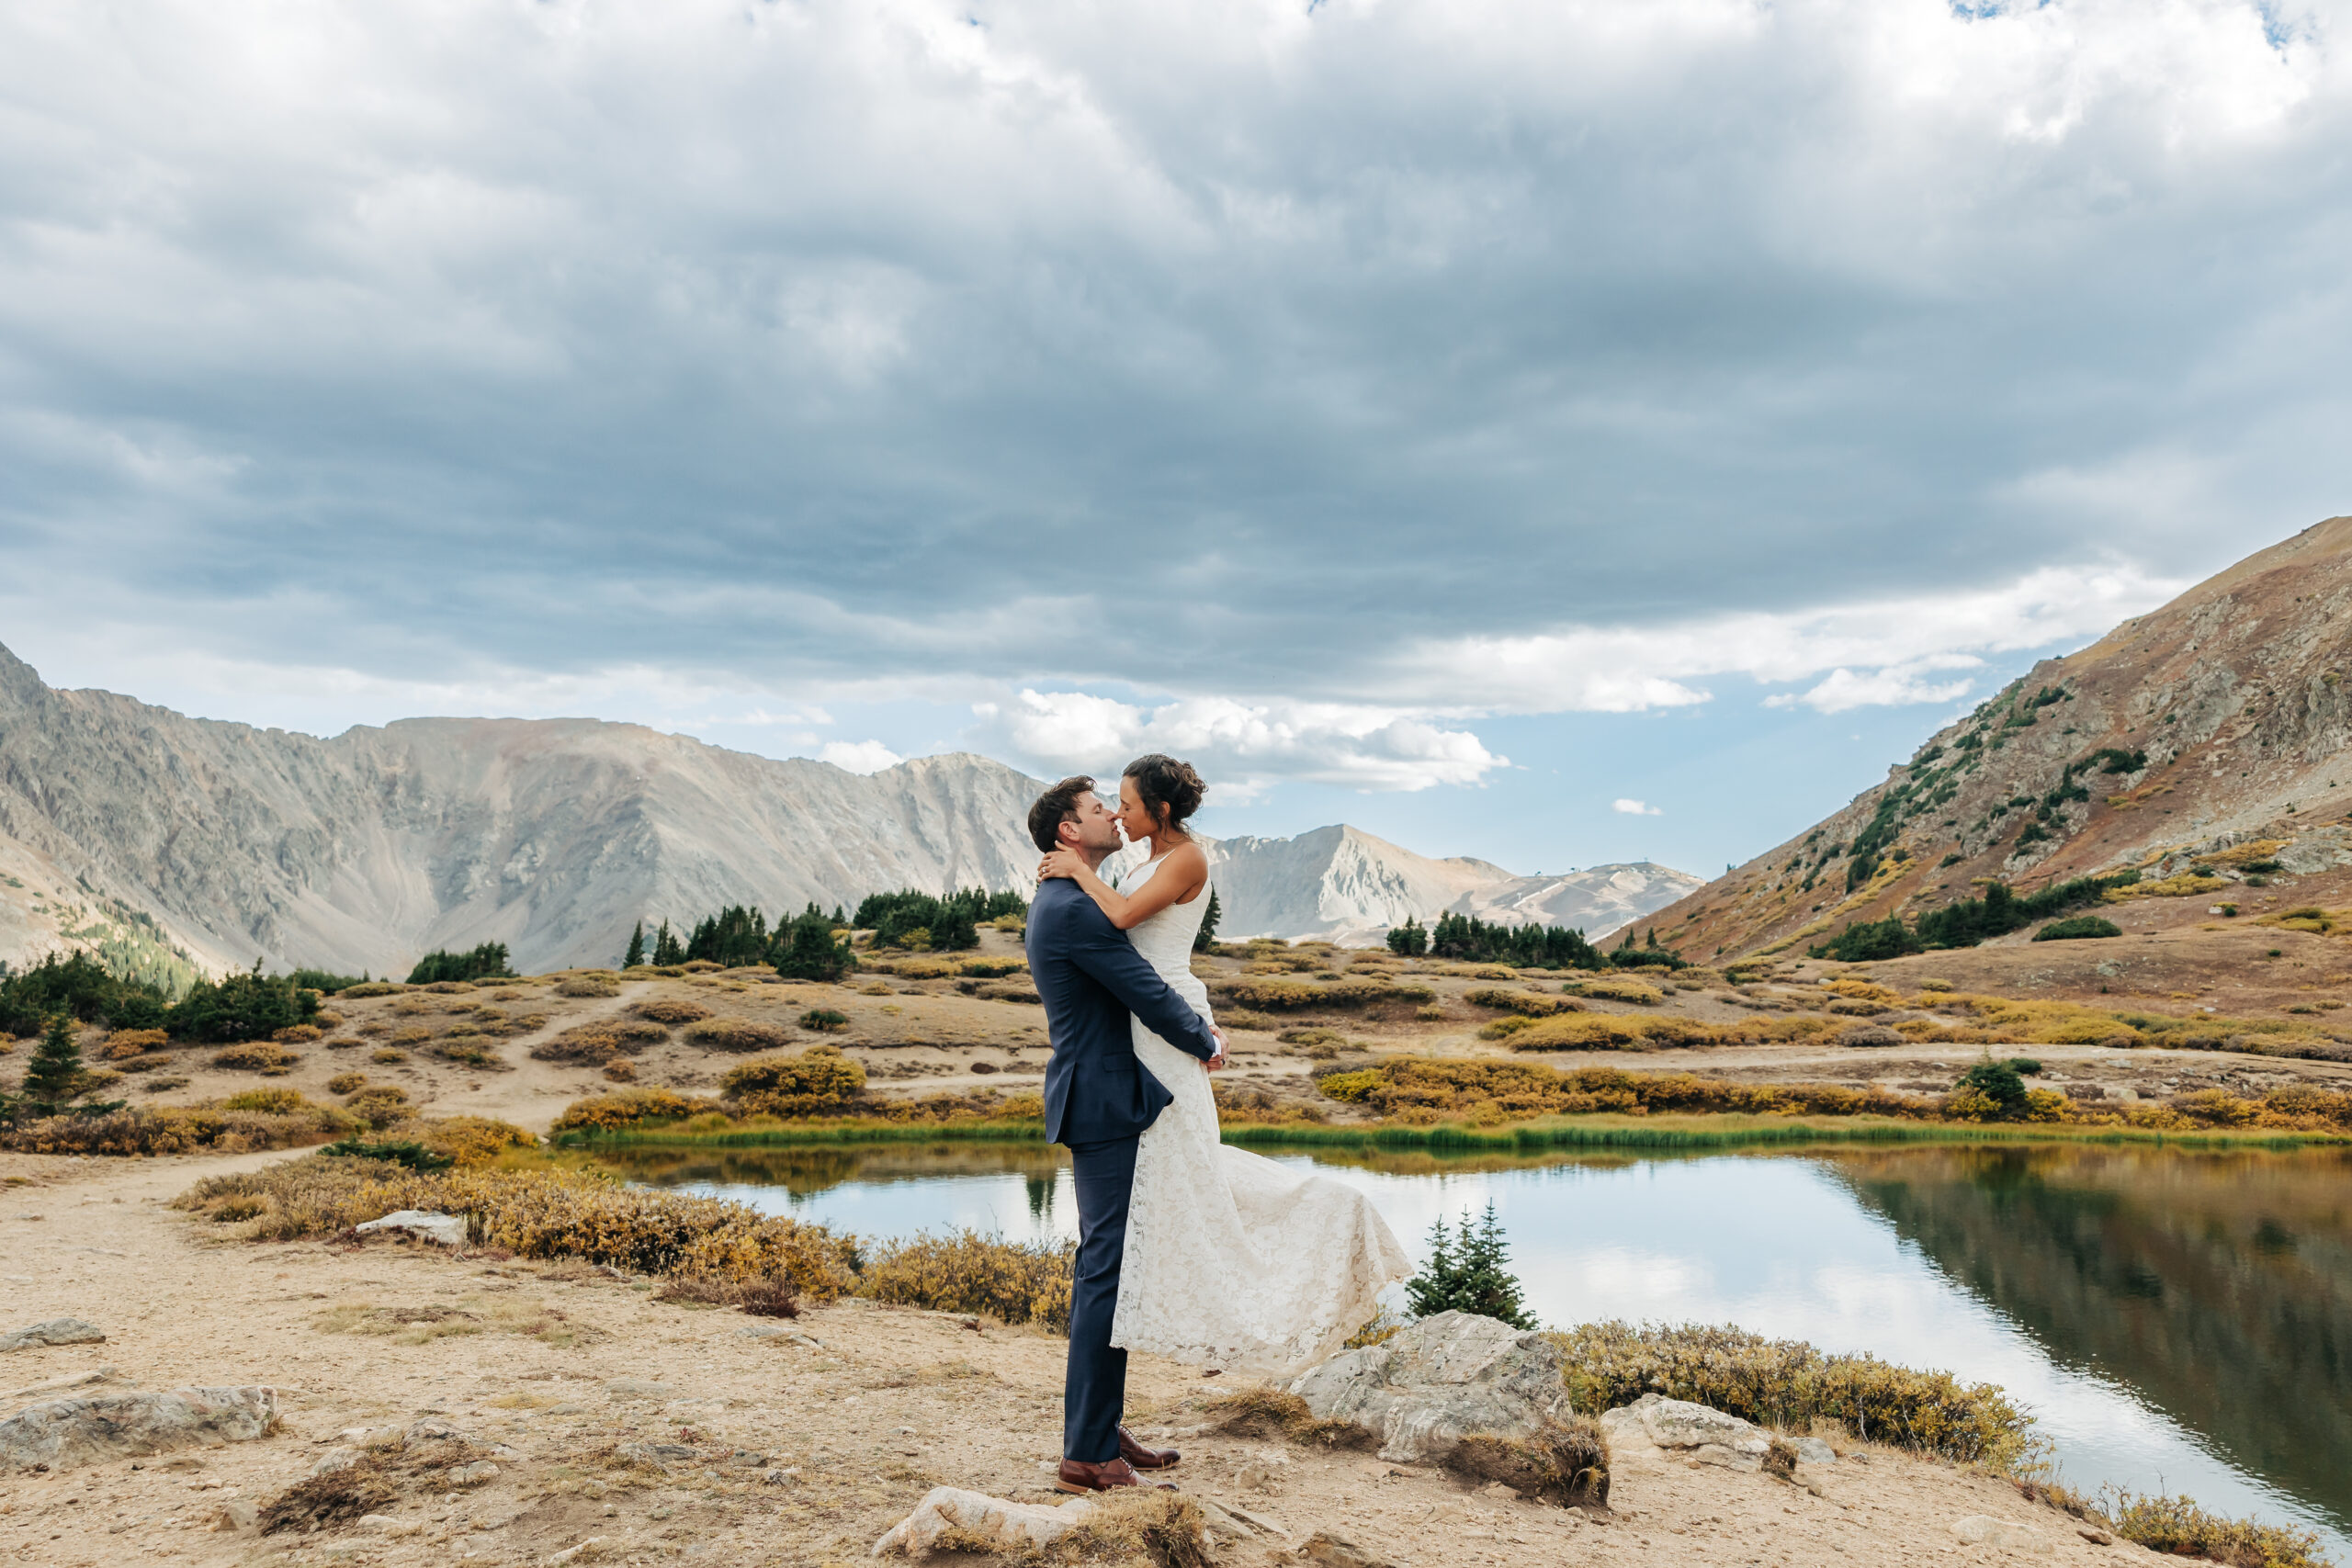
[{"x": 1094, "y": 1389}]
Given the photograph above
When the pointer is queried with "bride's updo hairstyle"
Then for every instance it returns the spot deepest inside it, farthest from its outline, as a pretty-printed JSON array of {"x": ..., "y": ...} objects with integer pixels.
[{"x": 1171, "y": 790}]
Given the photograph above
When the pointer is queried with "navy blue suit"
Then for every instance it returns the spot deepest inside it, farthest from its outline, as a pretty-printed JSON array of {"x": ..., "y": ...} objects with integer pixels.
[{"x": 1099, "y": 1100}]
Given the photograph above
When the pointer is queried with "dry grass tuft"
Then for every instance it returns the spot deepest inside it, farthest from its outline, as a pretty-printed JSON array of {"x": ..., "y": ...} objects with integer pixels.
[
  {"x": 737, "y": 1034},
  {"x": 1566, "y": 1463},
  {"x": 671, "y": 1010},
  {"x": 319, "y": 1502},
  {"x": 1163, "y": 1527},
  {"x": 760, "y": 1298},
  {"x": 1265, "y": 1412}
]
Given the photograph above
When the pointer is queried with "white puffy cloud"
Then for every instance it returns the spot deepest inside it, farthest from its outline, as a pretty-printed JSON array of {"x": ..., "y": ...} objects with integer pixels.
[
  {"x": 1242, "y": 747},
  {"x": 859, "y": 756},
  {"x": 1872, "y": 652},
  {"x": 1635, "y": 807}
]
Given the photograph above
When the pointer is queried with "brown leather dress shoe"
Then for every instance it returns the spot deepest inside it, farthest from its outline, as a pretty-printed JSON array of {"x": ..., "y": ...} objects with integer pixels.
[
  {"x": 1076, "y": 1475},
  {"x": 1141, "y": 1458}
]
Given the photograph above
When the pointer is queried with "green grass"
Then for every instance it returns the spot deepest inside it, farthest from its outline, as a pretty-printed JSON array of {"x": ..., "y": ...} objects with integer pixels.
[{"x": 1601, "y": 1132}]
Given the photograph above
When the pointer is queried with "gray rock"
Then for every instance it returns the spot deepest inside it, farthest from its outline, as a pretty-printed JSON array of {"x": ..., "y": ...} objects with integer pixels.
[
  {"x": 126, "y": 1425},
  {"x": 1679, "y": 1424},
  {"x": 1726, "y": 1456},
  {"x": 56, "y": 1331},
  {"x": 239, "y": 1516},
  {"x": 448, "y": 1230},
  {"x": 475, "y": 1474},
  {"x": 1813, "y": 1451},
  {"x": 1332, "y": 1549},
  {"x": 1438, "y": 1380},
  {"x": 335, "y": 1458}
]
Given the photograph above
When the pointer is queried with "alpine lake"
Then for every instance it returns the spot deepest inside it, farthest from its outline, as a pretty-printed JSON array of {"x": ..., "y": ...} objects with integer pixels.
[{"x": 2177, "y": 1320}]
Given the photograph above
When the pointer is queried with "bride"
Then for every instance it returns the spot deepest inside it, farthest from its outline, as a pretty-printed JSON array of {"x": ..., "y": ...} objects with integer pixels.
[{"x": 1233, "y": 1260}]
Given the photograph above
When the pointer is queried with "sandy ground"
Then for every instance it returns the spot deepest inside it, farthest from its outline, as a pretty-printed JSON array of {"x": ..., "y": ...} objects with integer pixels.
[{"x": 796, "y": 1449}]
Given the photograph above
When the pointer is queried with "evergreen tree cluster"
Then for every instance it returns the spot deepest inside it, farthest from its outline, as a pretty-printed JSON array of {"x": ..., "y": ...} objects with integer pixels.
[
  {"x": 1967, "y": 922},
  {"x": 487, "y": 961},
  {"x": 1473, "y": 940},
  {"x": 1411, "y": 939},
  {"x": 950, "y": 922},
  {"x": 801, "y": 948},
  {"x": 1469, "y": 1270},
  {"x": 242, "y": 1006},
  {"x": 78, "y": 985},
  {"x": 1625, "y": 956}
]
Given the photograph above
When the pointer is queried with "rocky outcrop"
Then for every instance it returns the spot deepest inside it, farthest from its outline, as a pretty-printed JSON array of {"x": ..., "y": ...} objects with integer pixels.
[
  {"x": 71, "y": 1432},
  {"x": 55, "y": 1331},
  {"x": 1439, "y": 1380},
  {"x": 950, "y": 1517},
  {"x": 445, "y": 1230},
  {"x": 1702, "y": 1433}
]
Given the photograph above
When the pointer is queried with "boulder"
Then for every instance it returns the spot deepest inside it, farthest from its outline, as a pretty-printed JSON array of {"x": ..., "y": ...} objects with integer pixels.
[
  {"x": 1430, "y": 1385},
  {"x": 127, "y": 1426},
  {"x": 56, "y": 1331},
  {"x": 447, "y": 1230},
  {"x": 1709, "y": 1435},
  {"x": 965, "y": 1520}
]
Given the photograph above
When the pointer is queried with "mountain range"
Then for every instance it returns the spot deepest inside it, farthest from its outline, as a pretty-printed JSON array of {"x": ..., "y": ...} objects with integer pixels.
[
  {"x": 2217, "y": 724},
  {"x": 177, "y": 844}
]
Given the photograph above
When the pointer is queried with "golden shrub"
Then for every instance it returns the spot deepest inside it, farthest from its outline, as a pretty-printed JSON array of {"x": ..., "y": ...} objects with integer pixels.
[
  {"x": 175, "y": 1129},
  {"x": 346, "y": 1083},
  {"x": 968, "y": 1272},
  {"x": 125, "y": 1043},
  {"x": 380, "y": 1106},
  {"x": 547, "y": 1213},
  {"x": 818, "y": 1081},
  {"x": 610, "y": 1113},
  {"x": 265, "y": 1056},
  {"x": 596, "y": 985},
  {"x": 474, "y": 1140},
  {"x": 367, "y": 988},
  {"x": 276, "y": 1101},
  {"x": 1609, "y": 990},
  {"x": 737, "y": 1034},
  {"x": 671, "y": 1010},
  {"x": 1526, "y": 1004}
]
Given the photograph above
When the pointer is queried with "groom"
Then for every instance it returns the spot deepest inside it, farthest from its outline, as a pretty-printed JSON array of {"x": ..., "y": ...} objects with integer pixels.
[{"x": 1099, "y": 1100}]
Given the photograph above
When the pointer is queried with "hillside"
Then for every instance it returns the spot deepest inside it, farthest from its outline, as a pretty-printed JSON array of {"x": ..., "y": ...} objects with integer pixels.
[
  {"x": 1599, "y": 900},
  {"x": 364, "y": 851},
  {"x": 172, "y": 845},
  {"x": 2197, "y": 744}
]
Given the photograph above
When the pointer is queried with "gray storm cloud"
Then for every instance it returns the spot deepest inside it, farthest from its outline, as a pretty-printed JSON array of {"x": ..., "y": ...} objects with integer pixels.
[{"x": 1344, "y": 370}]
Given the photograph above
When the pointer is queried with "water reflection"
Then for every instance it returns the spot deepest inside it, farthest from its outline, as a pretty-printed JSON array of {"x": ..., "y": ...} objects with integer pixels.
[{"x": 2175, "y": 1318}]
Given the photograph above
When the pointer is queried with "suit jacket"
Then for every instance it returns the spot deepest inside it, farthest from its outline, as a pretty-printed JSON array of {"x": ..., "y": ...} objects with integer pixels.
[{"x": 1091, "y": 979}]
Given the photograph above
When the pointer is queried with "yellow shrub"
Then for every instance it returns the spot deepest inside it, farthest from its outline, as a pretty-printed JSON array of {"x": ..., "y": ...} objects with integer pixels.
[
  {"x": 2186, "y": 885},
  {"x": 609, "y": 1112},
  {"x": 1012, "y": 1281},
  {"x": 1528, "y": 1004},
  {"x": 276, "y": 1101},
  {"x": 818, "y": 1081},
  {"x": 1611, "y": 990},
  {"x": 474, "y": 1140}
]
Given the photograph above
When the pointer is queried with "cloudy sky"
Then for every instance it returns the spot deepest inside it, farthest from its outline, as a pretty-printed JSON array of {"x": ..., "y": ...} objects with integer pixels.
[{"x": 1556, "y": 432}]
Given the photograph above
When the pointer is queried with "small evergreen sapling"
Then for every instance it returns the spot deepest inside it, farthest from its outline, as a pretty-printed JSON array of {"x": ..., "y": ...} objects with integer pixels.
[
  {"x": 1469, "y": 1271},
  {"x": 53, "y": 1076},
  {"x": 1208, "y": 933},
  {"x": 636, "y": 953}
]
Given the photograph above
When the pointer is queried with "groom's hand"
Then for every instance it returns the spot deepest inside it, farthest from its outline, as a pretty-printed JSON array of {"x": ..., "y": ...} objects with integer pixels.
[{"x": 1217, "y": 1062}]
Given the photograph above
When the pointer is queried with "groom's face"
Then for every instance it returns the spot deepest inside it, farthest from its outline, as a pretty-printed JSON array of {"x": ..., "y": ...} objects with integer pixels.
[{"x": 1094, "y": 829}]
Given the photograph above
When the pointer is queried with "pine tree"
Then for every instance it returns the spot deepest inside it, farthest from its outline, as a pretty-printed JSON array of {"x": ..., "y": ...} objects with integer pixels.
[
  {"x": 636, "y": 953},
  {"x": 1208, "y": 933},
  {"x": 1411, "y": 939},
  {"x": 812, "y": 953},
  {"x": 55, "y": 1075},
  {"x": 667, "y": 948},
  {"x": 1469, "y": 1271}
]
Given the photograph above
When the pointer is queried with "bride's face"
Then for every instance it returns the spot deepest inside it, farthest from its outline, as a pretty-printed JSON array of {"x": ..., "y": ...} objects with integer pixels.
[{"x": 1134, "y": 820}]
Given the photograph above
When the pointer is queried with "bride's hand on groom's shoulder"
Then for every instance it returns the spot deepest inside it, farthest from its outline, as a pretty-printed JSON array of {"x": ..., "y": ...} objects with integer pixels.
[{"x": 1060, "y": 863}]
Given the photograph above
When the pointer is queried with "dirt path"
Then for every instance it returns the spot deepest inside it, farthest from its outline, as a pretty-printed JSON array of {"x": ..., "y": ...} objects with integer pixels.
[{"x": 800, "y": 1447}]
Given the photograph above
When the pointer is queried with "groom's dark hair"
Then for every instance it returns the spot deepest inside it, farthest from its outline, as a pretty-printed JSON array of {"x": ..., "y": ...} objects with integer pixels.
[{"x": 1056, "y": 806}]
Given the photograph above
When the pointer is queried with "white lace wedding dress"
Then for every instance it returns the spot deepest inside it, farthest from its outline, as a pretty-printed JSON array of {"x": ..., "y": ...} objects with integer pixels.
[{"x": 1232, "y": 1260}]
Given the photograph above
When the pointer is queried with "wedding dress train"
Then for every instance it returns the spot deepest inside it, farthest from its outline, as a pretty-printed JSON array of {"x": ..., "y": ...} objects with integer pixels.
[{"x": 1234, "y": 1261}]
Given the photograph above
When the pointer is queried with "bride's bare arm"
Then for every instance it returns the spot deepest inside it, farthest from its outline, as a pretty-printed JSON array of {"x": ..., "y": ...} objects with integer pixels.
[{"x": 1178, "y": 877}]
